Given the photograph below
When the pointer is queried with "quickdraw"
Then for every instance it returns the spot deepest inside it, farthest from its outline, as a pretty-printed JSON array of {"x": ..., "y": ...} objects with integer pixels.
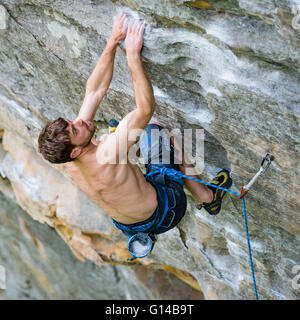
[{"x": 265, "y": 164}]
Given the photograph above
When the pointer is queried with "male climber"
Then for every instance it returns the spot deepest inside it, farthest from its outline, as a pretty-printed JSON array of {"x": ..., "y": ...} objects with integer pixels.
[{"x": 101, "y": 168}]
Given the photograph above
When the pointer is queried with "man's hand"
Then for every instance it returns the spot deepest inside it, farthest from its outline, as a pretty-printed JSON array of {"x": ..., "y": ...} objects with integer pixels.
[
  {"x": 134, "y": 38},
  {"x": 120, "y": 27}
]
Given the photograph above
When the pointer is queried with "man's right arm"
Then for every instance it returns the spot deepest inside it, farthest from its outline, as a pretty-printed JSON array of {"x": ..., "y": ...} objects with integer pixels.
[
  {"x": 135, "y": 121},
  {"x": 143, "y": 91}
]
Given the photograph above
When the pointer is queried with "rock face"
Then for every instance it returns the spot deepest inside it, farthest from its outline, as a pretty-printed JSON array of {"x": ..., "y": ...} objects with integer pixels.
[
  {"x": 39, "y": 265},
  {"x": 231, "y": 68}
]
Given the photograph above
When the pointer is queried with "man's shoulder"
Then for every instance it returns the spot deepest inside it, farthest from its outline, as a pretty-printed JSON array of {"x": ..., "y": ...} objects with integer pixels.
[{"x": 110, "y": 150}]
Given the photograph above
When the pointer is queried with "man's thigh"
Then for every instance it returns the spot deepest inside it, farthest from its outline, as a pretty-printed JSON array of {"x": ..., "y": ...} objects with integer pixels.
[{"x": 156, "y": 147}]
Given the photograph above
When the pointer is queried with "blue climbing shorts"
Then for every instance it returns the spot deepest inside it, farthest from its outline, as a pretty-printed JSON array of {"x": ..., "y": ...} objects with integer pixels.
[{"x": 157, "y": 150}]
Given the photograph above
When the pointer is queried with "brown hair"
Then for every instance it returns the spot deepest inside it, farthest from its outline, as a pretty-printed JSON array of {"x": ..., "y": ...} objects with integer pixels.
[{"x": 54, "y": 142}]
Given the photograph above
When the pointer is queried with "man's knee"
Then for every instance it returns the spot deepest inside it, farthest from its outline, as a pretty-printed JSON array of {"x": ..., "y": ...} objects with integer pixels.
[
  {"x": 153, "y": 125},
  {"x": 156, "y": 123}
]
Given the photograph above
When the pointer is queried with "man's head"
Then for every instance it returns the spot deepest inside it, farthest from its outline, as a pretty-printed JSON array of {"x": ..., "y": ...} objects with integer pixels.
[{"x": 64, "y": 140}]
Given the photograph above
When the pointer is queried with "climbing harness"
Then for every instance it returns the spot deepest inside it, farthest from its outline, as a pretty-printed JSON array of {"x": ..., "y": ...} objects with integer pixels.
[{"x": 266, "y": 162}]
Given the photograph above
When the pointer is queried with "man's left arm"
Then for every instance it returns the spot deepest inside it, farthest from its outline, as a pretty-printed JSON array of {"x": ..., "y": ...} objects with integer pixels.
[{"x": 99, "y": 81}]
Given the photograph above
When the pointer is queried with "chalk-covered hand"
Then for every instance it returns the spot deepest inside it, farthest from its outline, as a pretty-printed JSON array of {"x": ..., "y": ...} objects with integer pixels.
[
  {"x": 120, "y": 27},
  {"x": 134, "y": 38}
]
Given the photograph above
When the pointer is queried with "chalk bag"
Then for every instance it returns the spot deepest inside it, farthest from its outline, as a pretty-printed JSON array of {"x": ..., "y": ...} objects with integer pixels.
[{"x": 140, "y": 245}]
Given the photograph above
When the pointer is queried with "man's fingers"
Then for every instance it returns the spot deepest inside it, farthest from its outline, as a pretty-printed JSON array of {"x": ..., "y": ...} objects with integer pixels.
[
  {"x": 138, "y": 27},
  {"x": 133, "y": 24},
  {"x": 125, "y": 23},
  {"x": 124, "y": 16},
  {"x": 119, "y": 16},
  {"x": 130, "y": 26},
  {"x": 142, "y": 27}
]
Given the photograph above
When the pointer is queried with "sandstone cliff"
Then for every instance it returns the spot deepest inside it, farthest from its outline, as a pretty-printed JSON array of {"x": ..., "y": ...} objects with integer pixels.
[{"x": 231, "y": 68}]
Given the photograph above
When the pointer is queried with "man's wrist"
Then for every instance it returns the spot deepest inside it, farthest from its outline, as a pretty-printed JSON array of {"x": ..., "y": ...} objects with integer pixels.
[
  {"x": 133, "y": 57},
  {"x": 134, "y": 63},
  {"x": 113, "y": 41}
]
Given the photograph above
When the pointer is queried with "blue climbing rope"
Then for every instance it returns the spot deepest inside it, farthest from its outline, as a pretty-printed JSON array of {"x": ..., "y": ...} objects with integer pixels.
[
  {"x": 249, "y": 248},
  {"x": 172, "y": 173}
]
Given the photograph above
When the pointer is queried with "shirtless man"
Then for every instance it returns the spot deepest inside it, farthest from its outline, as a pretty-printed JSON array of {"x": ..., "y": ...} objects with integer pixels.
[{"x": 99, "y": 168}]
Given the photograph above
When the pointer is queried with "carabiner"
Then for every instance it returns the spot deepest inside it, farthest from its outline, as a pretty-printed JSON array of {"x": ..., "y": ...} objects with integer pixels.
[
  {"x": 267, "y": 158},
  {"x": 2, "y": 173}
]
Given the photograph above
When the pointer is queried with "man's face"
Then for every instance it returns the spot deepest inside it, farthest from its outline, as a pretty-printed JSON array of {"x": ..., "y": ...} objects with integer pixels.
[{"x": 81, "y": 132}]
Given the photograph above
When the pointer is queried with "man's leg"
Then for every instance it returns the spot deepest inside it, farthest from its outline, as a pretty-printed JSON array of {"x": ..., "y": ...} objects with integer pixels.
[
  {"x": 211, "y": 198},
  {"x": 138, "y": 152},
  {"x": 200, "y": 191},
  {"x": 152, "y": 153},
  {"x": 155, "y": 146}
]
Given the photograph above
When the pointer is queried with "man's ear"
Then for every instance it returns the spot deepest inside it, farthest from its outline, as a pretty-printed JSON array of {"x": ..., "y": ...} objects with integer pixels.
[{"x": 76, "y": 152}]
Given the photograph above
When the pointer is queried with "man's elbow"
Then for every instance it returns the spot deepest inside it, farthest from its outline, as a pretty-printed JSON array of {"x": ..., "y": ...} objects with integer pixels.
[
  {"x": 149, "y": 109},
  {"x": 91, "y": 89},
  {"x": 95, "y": 95}
]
